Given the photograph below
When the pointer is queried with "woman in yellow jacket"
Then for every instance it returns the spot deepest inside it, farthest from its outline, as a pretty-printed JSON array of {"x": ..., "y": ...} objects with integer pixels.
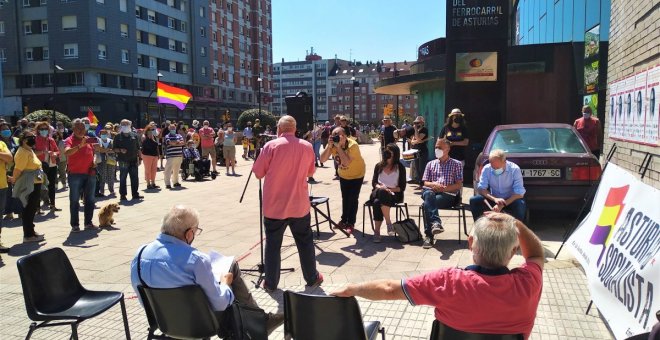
[{"x": 351, "y": 174}]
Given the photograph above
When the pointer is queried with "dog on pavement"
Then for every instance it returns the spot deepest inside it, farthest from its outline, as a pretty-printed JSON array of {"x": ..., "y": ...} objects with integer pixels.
[{"x": 106, "y": 215}]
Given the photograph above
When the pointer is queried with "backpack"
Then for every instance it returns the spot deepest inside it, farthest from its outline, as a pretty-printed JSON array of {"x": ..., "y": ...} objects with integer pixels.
[{"x": 407, "y": 231}]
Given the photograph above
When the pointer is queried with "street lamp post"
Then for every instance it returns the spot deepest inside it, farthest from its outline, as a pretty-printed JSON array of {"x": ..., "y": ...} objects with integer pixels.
[
  {"x": 160, "y": 117},
  {"x": 259, "y": 80},
  {"x": 55, "y": 69},
  {"x": 353, "y": 98}
]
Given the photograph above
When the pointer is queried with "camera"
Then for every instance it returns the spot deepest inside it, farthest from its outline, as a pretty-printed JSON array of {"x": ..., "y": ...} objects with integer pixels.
[{"x": 335, "y": 139}]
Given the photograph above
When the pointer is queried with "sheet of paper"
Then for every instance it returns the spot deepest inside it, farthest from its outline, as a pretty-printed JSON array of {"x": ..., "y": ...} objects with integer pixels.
[{"x": 220, "y": 264}]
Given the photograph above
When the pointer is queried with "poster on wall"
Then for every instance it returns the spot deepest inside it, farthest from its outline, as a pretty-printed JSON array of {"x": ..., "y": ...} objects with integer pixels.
[
  {"x": 591, "y": 59},
  {"x": 611, "y": 120},
  {"x": 629, "y": 86},
  {"x": 638, "y": 114},
  {"x": 476, "y": 66},
  {"x": 652, "y": 126}
]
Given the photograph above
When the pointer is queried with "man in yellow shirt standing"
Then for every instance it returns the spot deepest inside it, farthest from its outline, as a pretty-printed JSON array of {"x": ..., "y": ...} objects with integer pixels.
[
  {"x": 351, "y": 174},
  {"x": 5, "y": 159}
]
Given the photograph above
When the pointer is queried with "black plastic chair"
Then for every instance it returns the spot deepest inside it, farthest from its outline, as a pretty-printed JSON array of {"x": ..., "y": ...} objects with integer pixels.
[
  {"x": 326, "y": 318},
  {"x": 52, "y": 292},
  {"x": 400, "y": 208},
  {"x": 459, "y": 206},
  {"x": 440, "y": 331},
  {"x": 181, "y": 313},
  {"x": 316, "y": 203}
]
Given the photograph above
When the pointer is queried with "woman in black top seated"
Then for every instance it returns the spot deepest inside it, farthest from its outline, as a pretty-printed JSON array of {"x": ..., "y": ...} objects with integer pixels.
[{"x": 389, "y": 183}]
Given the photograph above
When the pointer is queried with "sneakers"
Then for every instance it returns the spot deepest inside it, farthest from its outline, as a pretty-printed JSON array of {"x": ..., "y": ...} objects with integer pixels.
[
  {"x": 177, "y": 185},
  {"x": 319, "y": 280},
  {"x": 168, "y": 186},
  {"x": 274, "y": 320},
  {"x": 3, "y": 249},
  {"x": 436, "y": 228},
  {"x": 377, "y": 239},
  {"x": 390, "y": 230},
  {"x": 35, "y": 238},
  {"x": 428, "y": 243},
  {"x": 75, "y": 229},
  {"x": 266, "y": 288},
  {"x": 54, "y": 208},
  {"x": 123, "y": 198},
  {"x": 138, "y": 197},
  {"x": 91, "y": 226}
]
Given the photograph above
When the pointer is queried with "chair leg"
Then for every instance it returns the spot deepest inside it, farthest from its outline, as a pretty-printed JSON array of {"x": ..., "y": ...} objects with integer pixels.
[
  {"x": 382, "y": 332},
  {"x": 316, "y": 218},
  {"x": 371, "y": 220},
  {"x": 407, "y": 212},
  {"x": 459, "y": 225},
  {"x": 33, "y": 326},
  {"x": 125, "y": 317},
  {"x": 465, "y": 224},
  {"x": 74, "y": 331},
  {"x": 364, "y": 207},
  {"x": 327, "y": 209}
]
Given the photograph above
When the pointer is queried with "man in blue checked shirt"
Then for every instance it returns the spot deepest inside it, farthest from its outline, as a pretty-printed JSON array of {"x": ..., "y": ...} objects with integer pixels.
[
  {"x": 443, "y": 182},
  {"x": 170, "y": 262},
  {"x": 500, "y": 188}
]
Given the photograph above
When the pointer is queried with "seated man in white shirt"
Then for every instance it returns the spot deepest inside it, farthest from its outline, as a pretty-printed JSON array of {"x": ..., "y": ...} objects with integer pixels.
[{"x": 170, "y": 262}]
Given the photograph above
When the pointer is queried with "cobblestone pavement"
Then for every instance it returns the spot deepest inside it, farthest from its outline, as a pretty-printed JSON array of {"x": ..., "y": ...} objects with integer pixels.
[{"x": 101, "y": 259}]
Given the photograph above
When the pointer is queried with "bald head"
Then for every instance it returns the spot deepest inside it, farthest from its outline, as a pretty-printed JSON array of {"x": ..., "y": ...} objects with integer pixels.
[{"x": 286, "y": 124}]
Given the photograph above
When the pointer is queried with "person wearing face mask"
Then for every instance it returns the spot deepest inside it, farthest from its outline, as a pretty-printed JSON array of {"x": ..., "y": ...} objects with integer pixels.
[
  {"x": 6, "y": 158},
  {"x": 22, "y": 125},
  {"x": 48, "y": 152},
  {"x": 174, "y": 152},
  {"x": 13, "y": 205},
  {"x": 61, "y": 165},
  {"x": 79, "y": 150},
  {"x": 207, "y": 136},
  {"x": 127, "y": 146},
  {"x": 456, "y": 132},
  {"x": 247, "y": 134},
  {"x": 351, "y": 171},
  {"x": 590, "y": 129},
  {"x": 27, "y": 178},
  {"x": 106, "y": 163},
  {"x": 171, "y": 261},
  {"x": 229, "y": 149},
  {"x": 150, "y": 155},
  {"x": 88, "y": 127},
  {"x": 500, "y": 187},
  {"x": 389, "y": 184},
  {"x": 442, "y": 183}
]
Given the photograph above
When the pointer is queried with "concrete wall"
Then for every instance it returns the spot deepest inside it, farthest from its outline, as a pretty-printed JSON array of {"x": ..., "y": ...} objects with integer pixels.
[{"x": 634, "y": 46}]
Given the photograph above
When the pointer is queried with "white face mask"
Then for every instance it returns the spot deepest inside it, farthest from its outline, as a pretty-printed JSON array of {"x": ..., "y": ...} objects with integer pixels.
[
  {"x": 439, "y": 153},
  {"x": 125, "y": 129}
]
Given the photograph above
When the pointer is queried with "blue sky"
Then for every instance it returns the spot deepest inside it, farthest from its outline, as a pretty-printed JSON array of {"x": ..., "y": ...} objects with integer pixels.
[{"x": 389, "y": 30}]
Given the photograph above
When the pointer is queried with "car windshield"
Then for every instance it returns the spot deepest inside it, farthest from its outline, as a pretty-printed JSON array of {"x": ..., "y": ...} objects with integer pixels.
[{"x": 538, "y": 140}]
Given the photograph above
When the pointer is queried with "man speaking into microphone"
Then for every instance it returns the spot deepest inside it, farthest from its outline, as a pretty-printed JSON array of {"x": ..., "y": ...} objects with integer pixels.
[{"x": 285, "y": 163}]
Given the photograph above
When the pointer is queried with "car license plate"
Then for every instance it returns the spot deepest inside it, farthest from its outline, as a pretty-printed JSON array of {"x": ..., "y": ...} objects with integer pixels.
[{"x": 553, "y": 173}]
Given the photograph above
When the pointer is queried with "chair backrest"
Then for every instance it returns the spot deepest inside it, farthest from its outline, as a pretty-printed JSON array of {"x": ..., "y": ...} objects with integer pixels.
[
  {"x": 183, "y": 312},
  {"x": 49, "y": 282},
  {"x": 322, "y": 317},
  {"x": 440, "y": 331}
]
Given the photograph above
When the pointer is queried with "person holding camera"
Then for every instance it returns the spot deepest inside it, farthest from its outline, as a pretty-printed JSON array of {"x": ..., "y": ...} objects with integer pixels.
[
  {"x": 79, "y": 150},
  {"x": 351, "y": 171}
]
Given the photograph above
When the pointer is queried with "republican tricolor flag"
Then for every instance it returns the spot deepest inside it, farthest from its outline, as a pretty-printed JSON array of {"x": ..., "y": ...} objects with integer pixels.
[{"x": 172, "y": 95}]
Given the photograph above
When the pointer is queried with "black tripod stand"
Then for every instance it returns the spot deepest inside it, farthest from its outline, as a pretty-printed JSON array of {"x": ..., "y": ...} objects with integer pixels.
[{"x": 260, "y": 265}]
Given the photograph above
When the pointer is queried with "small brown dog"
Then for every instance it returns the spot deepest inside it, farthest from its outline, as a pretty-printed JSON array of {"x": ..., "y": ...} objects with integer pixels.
[{"x": 106, "y": 215}]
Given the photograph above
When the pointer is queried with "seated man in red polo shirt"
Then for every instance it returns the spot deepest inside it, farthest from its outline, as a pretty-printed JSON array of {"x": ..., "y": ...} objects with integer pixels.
[{"x": 485, "y": 297}]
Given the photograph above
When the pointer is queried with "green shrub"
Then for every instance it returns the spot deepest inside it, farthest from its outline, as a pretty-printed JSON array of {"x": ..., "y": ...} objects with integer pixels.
[
  {"x": 41, "y": 115},
  {"x": 250, "y": 115}
]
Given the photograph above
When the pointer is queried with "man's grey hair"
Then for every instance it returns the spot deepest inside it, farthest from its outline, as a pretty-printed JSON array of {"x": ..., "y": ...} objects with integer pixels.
[
  {"x": 497, "y": 153},
  {"x": 77, "y": 121},
  {"x": 494, "y": 238},
  {"x": 126, "y": 122},
  {"x": 85, "y": 120},
  {"x": 179, "y": 219}
]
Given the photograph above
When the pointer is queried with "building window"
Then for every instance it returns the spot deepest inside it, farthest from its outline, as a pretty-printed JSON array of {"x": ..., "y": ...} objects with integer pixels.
[
  {"x": 202, "y": 11},
  {"x": 27, "y": 27},
  {"x": 202, "y": 51},
  {"x": 170, "y": 3},
  {"x": 151, "y": 16},
  {"x": 172, "y": 66},
  {"x": 100, "y": 24},
  {"x": 70, "y": 51},
  {"x": 48, "y": 79},
  {"x": 122, "y": 6},
  {"x": 184, "y": 48},
  {"x": 123, "y": 29},
  {"x": 29, "y": 54},
  {"x": 44, "y": 26},
  {"x": 152, "y": 62},
  {"x": 203, "y": 71},
  {"x": 170, "y": 22},
  {"x": 103, "y": 54},
  {"x": 139, "y": 60},
  {"x": 2, "y": 28},
  {"x": 26, "y": 3},
  {"x": 215, "y": 36},
  {"x": 182, "y": 5},
  {"x": 184, "y": 68},
  {"x": 202, "y": 31},
  {"x": 138, "y": 36},
  {"x": 183, "y": 27},
  {"x": 77, "y": 78},
  {"x": 152, "y": 39},
  {"x": 3, "y": 54},
  {"x": 100, "y": 1},
  {"x": 215, "y": 74},
  {"x": 43, "y": 2},
  {"x": 125, "y": 57},
  {"x": 172, "y": 44},
  {"x": 138, "y": 12},
  {"x": 69, "y": 22},
  {"x": 45, "y": 53}
]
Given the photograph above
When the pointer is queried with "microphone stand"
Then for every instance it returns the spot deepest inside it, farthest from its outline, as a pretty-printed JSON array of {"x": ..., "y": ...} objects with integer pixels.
[{"x": 260, "y": 266}]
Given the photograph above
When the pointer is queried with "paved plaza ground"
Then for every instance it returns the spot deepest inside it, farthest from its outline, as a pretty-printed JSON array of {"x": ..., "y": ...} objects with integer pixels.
[{"x": 102, "y": 259}]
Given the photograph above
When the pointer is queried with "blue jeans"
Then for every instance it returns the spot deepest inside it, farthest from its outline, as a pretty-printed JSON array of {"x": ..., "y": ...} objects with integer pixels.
[
  {"x": 302, "y": 234},
  {"x": 516, "y": 209},
  {"x": 432, "y": 202},
  {"x": 80, "y": 183},
  {"x": 317, "y": 149},
  {"x": 128, "y": 168}
]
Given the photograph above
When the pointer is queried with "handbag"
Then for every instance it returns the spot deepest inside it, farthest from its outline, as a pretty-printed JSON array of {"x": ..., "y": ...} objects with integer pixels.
[{"x": 407, "y": 231}]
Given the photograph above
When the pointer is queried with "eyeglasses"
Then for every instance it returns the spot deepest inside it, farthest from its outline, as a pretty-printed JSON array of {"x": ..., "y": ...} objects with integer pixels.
[{"x": 197, "y": 232}]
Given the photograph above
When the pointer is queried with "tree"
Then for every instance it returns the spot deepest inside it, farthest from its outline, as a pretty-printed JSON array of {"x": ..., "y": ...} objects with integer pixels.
[
  {"x": 41, "y": 115},
  {"x": 250, "y": 115}
]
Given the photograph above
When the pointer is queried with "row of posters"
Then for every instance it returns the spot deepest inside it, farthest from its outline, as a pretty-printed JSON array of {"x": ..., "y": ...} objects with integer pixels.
[{"x": 634, "y": 108}]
